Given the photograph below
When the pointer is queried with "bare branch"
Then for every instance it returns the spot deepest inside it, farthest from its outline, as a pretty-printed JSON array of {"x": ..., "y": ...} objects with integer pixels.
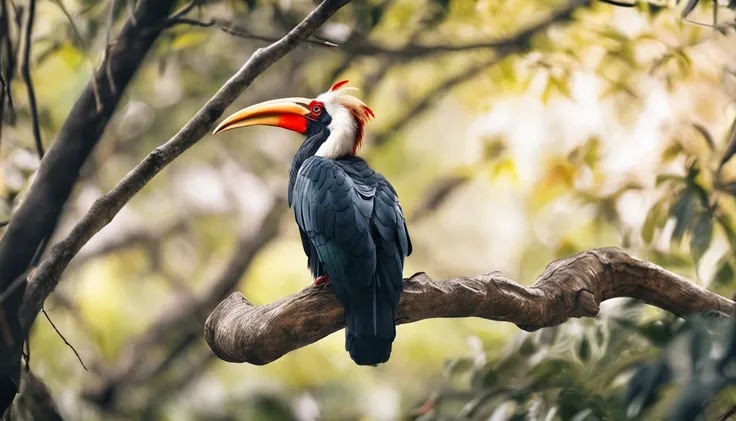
[
  {"x": 46, "y": 277},
  {"x": 619, "y": 3},
  {"x": 178, "y": 320},
  {"x": 26, "y": 73},
  {"x": 9, "y": 58},
  {"x": 728, "y": 414},
  {"x": 106, "y": 58},
  {"x": 242, "y": 33},
  {"x": 571, "y": 287},
  {"x": 436, "y": 93},
  {"x": 412, "y": 51},
  {"x": 64, "y": 339},
  {"x": 441, "y": 190}
]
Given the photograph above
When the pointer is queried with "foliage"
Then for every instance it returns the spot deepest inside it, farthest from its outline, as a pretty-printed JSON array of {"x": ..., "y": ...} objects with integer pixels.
[{"x": 621, "y": 366}]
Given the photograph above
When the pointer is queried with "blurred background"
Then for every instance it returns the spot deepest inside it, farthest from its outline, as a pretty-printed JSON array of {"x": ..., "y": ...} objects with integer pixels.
[{"x": 515, "y": 132}]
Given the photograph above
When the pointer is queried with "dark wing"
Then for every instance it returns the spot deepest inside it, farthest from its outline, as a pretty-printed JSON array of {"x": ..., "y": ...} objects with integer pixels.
[
  {"x": 391, "y": 238},
  {"x": 333, "y": 210}
]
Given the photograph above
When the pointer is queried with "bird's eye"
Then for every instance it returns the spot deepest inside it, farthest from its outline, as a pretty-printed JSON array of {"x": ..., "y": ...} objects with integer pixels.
[{"x": 316, "y": 110}]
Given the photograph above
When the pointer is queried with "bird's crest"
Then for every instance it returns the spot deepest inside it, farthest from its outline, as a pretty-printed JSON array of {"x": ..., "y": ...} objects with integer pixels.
[{"x": 343, "y": 95}]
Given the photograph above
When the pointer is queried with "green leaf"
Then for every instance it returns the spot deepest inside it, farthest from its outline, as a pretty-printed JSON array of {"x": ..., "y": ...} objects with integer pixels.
[
  {"x": 706, "y": 135},
  {"x": 457, "y": 366},
  {"x": 730, "y": 145},
  {"x": 668, "y": 259},
  {"x": 671, "y": 152},
  {"x": 683, "y": 210},
  {"x": 725, "y": 270},
  {"x": 663, "y": 178},
  {"x": 584, "y": 349},
  {"x": 702, "y": 236},
  {"x": 656, "y": 218}
]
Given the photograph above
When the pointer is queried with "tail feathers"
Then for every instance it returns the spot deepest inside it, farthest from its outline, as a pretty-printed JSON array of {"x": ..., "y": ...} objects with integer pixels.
[{"x": 370, "y": 327}]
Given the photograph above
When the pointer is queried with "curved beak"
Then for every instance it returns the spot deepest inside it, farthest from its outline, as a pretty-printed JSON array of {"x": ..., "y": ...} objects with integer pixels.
[{"x": 287, "y": 113}]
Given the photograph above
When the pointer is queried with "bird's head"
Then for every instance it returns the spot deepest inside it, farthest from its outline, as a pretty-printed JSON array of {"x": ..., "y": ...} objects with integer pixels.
[{"x": 337, "y": 114}]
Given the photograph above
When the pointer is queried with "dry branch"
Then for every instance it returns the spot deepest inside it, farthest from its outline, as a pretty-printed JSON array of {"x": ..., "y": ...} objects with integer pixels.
[{"x": 571, "y": 287}]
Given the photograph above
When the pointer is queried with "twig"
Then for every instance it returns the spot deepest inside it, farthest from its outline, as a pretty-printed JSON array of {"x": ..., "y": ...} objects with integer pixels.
[
  {"x": 64, "y": 339},
  {"x": 726, "y": 415},
  {"x": 571, "y": 287},
  {"x": 412, "y": 51},
  {"x": 27, "y": 354},
  {"x": 242, "y": 33},
  {"x": 440, "y": 191},
  {"x": 436, "y": 93},
  {"x": 619, "y": 3},
  {"x": 106, "y": 207},
  {"x": 139, "y": 364},
  {"x": 184, "y": 10},
  {"x": 10, "y": 59},
  {"x": 192, "y": 22},
  {"x": 131, "y": 11},
  {"x": 26, "y": 72},
  {"x": 105, "y": 59},
  {"x": 238, "y": 32}
]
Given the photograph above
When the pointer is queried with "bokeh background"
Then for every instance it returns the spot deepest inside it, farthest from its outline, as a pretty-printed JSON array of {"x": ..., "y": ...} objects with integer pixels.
[{"x": 515, "y": 132}]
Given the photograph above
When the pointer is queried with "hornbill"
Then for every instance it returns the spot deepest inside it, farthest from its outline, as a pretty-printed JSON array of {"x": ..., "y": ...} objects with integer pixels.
[{"x": 351, "y": 224}]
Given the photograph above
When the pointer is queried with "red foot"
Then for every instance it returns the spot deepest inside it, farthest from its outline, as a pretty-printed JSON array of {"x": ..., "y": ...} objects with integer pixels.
[{"x": 322, "y": 281}]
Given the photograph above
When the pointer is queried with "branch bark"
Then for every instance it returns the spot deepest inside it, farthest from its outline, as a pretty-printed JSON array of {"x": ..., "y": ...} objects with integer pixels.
[
  {"x": 58, "y": 171},
  {"x": 35, "y": 219},
  {"x": 574, "y": 286}
]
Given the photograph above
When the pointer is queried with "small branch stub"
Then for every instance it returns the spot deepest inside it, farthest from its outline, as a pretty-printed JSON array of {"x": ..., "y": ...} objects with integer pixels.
[{"x": 238, "y": 331}]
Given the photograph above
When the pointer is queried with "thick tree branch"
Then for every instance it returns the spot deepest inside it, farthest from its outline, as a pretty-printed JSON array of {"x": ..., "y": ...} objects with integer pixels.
[
  {"x": 39, "y": 211},
  {"x": 571, "y": 287},
  {"x": 36, "y": 217},
  {"x": 104, "y": 209}
]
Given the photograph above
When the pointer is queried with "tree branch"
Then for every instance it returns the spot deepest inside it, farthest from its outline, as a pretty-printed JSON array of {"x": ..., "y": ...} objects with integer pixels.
[
  {"x": 46, "y": 277},
  {"x": 412, "y": 51},
  {"x": 571, "y": 287},
  {"x": 26, "y": 72},
  {"x": 38, "y": 213},
  {"x": 503, "y": 48},
  {"x": 36, "y": 217}
]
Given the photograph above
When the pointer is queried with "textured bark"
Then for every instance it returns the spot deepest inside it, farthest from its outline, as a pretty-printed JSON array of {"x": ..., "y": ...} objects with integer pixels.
[
  {"x": 571, "y": 287},
  {"x": 37, "y": 216}
]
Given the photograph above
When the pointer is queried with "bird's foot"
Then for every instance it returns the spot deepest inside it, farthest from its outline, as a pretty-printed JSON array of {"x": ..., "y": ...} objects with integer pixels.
[{"x": 322, "y": 281}]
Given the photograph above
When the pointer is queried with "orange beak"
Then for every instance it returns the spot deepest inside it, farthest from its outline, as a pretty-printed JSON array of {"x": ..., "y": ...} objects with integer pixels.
[{"x": 287, "y": 113}]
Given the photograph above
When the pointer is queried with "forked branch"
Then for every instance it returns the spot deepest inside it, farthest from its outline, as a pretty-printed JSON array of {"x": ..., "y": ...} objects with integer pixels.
[{"x": 574, "y": 286}]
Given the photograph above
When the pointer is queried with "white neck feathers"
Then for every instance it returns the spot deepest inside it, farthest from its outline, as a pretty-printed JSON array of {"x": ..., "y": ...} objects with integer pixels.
[{"x": 343, "y": 133}]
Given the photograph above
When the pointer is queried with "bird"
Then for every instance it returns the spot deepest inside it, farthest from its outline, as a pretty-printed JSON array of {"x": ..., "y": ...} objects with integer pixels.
[{"x": 351, "y": 224}]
